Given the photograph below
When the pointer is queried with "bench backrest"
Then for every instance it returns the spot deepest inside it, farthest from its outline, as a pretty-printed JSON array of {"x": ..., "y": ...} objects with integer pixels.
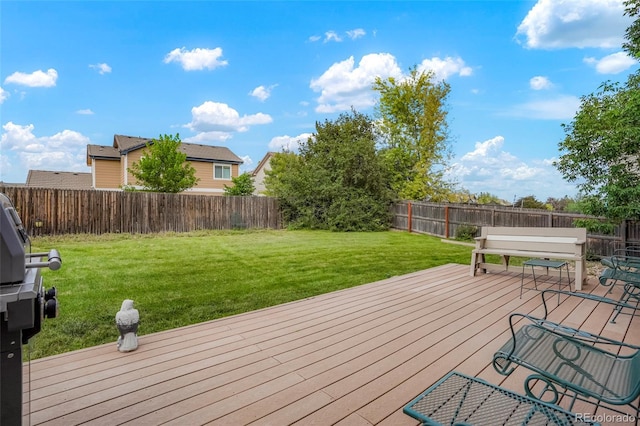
[{"x": 548, "y": 240}]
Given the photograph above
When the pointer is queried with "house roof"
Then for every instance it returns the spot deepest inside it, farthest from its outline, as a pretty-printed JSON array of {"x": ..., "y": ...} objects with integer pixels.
[
  {"x": 123, "y": 144},
  {"x": 262, "y": 163},
  {"x": 59, "y": 180},
  {"x": 102, "y": 152}
]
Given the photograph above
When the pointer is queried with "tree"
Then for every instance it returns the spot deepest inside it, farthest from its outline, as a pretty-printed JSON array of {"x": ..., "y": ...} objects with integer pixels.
[
  {"x": 337, "y": 181},
  {"x": 163, "y": 167},
  {"x": 560, "y": 204},
  {"x": 242, "y": 185},
  {"x": 285, "y": 181},
  {"x": 529, "y": 202},
  {"x": 601, "y": 151},
  {"x": 601, "y": 148},
  {"x": 632, "y": 35},
  {"x": 488, "y": 198},
  {"x": 413, "y": 121}
]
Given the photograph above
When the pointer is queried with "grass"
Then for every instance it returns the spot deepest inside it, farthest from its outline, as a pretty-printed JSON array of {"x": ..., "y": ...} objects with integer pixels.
[{"x": 182, "y": 279}]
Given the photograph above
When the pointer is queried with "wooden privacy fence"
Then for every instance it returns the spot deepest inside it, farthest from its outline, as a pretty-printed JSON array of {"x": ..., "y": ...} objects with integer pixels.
[
  {"x": 63, "y": 211},
  {"x": 443, "y": 220}
]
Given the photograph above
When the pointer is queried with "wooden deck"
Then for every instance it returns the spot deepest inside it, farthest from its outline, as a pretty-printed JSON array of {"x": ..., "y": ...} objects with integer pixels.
[{"x": 352, "y": 357}]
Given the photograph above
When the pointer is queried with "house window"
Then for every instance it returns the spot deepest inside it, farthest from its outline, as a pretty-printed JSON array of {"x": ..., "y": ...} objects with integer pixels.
[{"x": 221, "y": 171}]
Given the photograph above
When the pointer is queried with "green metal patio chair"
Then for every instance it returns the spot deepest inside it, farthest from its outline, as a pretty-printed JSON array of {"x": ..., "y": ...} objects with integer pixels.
[
  {"x": 623, "y": 267},
  {"x": 568, "y": 362},
  {"x": 631, "y": 252}
]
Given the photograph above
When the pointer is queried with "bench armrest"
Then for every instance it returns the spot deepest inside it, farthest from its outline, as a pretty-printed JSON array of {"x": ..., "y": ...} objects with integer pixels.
[{"x": 480, "y": 242}]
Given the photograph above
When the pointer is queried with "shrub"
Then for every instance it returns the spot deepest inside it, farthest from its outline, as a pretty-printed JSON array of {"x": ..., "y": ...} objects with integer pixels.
[{"x": 466, "y": 232}]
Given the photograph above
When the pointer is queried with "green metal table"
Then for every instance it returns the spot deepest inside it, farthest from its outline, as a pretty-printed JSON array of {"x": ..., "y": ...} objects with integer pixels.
[
  {"x": 544, "y": 263},
  {"x": 458, "y": 399}
]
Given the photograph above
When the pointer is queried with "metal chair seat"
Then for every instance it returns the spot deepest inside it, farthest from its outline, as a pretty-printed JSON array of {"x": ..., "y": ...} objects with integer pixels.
[
  {"x": 624, "y": 268},
  {"x": 572, "y": 361}
]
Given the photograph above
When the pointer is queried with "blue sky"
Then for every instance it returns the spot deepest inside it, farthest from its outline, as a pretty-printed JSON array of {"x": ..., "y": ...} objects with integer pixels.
[{"x": 256, "y": 76}]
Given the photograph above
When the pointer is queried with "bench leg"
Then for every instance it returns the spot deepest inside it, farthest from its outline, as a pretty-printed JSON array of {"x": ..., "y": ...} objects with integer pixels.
[
  {"x": 476, "y": 260},
  {"x": 474, "y": 263},
  {"x": 580, "y": 274},
  {"x": 505, "y": 262}
]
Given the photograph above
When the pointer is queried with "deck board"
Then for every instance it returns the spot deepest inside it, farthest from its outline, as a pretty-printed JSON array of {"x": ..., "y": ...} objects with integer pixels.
[{"x": 350, "y": 357}]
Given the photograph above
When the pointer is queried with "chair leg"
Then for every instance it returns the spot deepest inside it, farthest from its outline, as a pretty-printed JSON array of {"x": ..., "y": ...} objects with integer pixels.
[{"x": 631, "y": 291}]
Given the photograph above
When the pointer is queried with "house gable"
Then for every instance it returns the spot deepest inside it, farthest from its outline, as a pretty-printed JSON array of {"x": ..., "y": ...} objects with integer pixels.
[{"x": 260, "y": 172}]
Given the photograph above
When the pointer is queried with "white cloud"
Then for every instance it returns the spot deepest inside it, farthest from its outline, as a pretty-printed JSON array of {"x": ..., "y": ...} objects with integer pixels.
[
  {"x": 611, "y": 64},
  {"x": 206, "y": 137},
  {"x": 64, "y": 151},
  {"x": 84, "y": 112},
  {"x": 553, "y": 24},
  {"x": 344, "y": 85},
  {"x": 219, "y": 117},
  {"x": 540, "y": 83},
  {"x": 445, "y": 68},
  {"x": 3, "y": 95},
  {"x": 247, "y": 162},
  {"x": 332, "y": 36},
  {"x": 101, "y": 67},
  {"x": 559, "y": 108},
  {"x": 16, "y": 137},
  {"x": 262, "y": 93},
  {"x": 288, "y": 143},
  {"x": 196, "y": 59},
  {"x": 357, "y": 33},
  {"x": 490, "y": 168},
  {"x": 35, "y": 79}
]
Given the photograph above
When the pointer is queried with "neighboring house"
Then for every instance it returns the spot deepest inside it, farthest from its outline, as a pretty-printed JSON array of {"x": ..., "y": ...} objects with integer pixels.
[
  {"x": 215, "y": 165},
  {"x": 58, "y": 180},
  {"x": 259, "y": 173}
]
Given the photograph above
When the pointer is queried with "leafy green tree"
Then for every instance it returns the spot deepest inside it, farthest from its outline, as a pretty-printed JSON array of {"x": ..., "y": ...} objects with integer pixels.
[
  {"x": 560, "y": 204},
  {"x": 337, "y": 181},
  {"x": 412, "y": 113},
  {"x": 242, "y": 185},
  {"x": 601, "y": 148},
  {"x": 285, "y": 181},
  {"x": 529, "y": 202},
  {"x": 488, "y": 198},
  {"x": 632, "y": 35},
  {"x": 163, "y": 167},
  {"x": 601, "y": 151}
]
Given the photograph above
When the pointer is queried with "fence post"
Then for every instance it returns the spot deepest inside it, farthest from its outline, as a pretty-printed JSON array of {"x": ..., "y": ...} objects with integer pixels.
[
  {"x": 446, "y": 221},
  {"x": 409, "y": 217}
]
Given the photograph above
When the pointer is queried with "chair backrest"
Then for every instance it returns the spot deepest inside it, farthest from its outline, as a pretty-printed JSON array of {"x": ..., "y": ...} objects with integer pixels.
[{"x": 627, "y": 268}]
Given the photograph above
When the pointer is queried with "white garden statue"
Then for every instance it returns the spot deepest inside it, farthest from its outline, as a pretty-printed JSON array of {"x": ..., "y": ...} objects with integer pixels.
[{"x": 127, "y": 320}]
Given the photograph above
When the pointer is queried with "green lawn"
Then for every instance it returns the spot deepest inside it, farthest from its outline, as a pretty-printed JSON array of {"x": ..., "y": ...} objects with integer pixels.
[{"x": 181, "y": 279}]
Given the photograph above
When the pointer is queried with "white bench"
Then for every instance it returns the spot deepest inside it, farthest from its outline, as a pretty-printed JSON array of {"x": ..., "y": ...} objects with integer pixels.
[{"x": 541, "y": 243}]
